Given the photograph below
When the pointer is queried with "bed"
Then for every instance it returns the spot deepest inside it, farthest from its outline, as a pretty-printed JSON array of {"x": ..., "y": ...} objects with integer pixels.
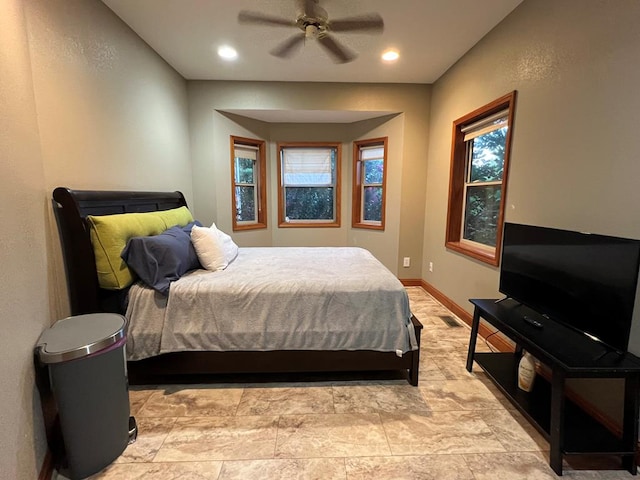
[{"x": 194, "y": 355}]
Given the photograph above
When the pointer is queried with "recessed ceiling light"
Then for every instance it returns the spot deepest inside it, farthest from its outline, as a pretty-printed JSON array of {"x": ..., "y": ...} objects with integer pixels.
[
  {"x": 390, "y": 56},
  {"x": 227, "y": 52}
]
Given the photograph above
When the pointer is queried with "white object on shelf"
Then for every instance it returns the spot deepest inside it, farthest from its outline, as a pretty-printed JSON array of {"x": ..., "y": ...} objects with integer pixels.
[{"x": 526, "y": 372}]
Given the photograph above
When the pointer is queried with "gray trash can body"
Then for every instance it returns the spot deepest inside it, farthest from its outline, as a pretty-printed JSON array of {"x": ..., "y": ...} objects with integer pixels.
[{"x": 85, "y": 355}]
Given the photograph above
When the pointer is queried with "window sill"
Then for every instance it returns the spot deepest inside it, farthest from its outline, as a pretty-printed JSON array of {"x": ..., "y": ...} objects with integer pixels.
[
  {"x": 308, "y": 225},
  {"x": 253, "y": 226},
  {"x": 489, "y": 257},
  {"x": 368, "y": 226}
]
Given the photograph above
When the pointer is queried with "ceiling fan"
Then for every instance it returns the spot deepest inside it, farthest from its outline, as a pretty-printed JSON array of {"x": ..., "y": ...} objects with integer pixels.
[{"x": 314, "y": 22}]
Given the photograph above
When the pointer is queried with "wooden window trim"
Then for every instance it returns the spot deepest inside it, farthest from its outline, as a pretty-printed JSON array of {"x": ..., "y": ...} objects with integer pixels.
[
  {"x": 455, "y": 214},
  {"x": 356, "y": 208},
  {"x": 337, "y": 207},
  {"x": 261, "y": 183}
]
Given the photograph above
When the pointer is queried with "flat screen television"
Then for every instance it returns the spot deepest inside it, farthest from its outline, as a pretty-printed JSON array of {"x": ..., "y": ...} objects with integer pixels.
[{"x": 585, "y": 281}]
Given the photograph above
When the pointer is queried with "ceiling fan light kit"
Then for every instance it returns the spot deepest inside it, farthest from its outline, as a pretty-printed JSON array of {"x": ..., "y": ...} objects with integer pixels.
[{"x": 315, "y": 24}]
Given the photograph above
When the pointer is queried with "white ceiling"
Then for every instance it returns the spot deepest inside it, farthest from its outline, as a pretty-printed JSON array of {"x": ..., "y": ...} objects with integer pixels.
[{"x": 431, "y": 35}]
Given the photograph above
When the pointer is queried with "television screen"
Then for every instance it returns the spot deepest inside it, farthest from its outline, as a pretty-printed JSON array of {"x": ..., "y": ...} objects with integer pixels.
[{"x": 583, "y": 280}]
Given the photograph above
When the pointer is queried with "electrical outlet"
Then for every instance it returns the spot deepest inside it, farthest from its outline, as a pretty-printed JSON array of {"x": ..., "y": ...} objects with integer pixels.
[
  {"x": 406, "y": 262},
  {"x": 431, "y": 266}
]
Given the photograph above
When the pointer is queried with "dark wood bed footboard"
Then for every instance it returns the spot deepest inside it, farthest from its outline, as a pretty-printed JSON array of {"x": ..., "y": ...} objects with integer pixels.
[
  {"x": 415, "y": 358},
  {"x": 71, "y": 208},
  {"x": 167, "y": 368}
]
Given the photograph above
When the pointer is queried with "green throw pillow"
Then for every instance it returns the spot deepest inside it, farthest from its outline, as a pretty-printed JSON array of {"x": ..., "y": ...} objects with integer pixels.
[{"x": 110, "y": 233}]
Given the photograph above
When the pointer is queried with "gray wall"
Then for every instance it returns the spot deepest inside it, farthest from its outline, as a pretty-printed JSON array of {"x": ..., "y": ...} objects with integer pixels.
[
  {"x": 24, "y": 298},
  {"x": 215, "y": 173},
  {"x": 574, "y": 162},
  {"x": 408, "y": 135},
  {"x": 85, "y": 104},
  {"x": 111, "y": 113}
]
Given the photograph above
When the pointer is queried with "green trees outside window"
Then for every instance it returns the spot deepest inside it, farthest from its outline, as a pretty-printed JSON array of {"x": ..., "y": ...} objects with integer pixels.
[
  {"x": 309, "y": 187},
  {"x": 248, "y": 175},
  {"x": 484, "y": 187},
  {"x": 478, "y": 183},
  {"x": 369, "y": 183}
]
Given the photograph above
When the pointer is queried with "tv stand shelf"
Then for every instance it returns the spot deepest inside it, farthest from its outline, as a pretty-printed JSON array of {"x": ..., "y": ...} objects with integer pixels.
[{"x": 569, "y": 354}]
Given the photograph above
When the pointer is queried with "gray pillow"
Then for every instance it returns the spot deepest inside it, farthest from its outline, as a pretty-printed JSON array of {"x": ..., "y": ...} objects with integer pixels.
[{"x": 161, "y": 259}]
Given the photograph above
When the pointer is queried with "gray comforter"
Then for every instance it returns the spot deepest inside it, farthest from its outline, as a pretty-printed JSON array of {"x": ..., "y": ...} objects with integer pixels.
[{"x": 276, "y": 299}]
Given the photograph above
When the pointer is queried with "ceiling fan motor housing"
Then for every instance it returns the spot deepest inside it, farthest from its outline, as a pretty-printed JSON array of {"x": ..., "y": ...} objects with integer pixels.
[{"x": 312, "y": 27}]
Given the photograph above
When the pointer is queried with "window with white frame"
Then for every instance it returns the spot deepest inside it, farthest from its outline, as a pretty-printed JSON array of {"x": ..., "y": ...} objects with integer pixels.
[
  {"x": 479, "y": 166},
  {"x": 485, "y": 143},
  {"x": 369, "y": 183},
  {"x": 309, "y": 185},
  {"x": 248, "y": 183}
]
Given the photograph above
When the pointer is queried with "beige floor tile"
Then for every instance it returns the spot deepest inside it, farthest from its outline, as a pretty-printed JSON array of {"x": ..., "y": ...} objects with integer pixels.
[
  {"x": 481, "y": 346},
  {"x": 596, "y": 467},
  {"x": 596, "y": 475},
  {"x": 282, "y": 401},
  {"x": 535, "y": 466},
  {"x": 429, "y": 316},
  {"x": 153, "y": 471},
  {"x": 427, "y": 305},
  {"x": 421, "y": 309},
  {"x": 336, "y": 435},
  {"x": 429, "y": 332},
  {"x": 152, "y": 432},
  {"x": 481, "y": 376},
  {"x": 442, "y": 346},
  {"x": 290, "y": 469},
  {"x": 436, "y": 309},
  {"x": 429, "y": 371},
  {"x": 439, "y": 432},
  {"x": 467, "y": 394},
  {"x": 453, "y": 366},
  {"x": 510, "y": 466},
  {"x": 427, "y": 467},
  {"x": 137, "y": 399},
  {"x": 191, "y": 401},
  {"x": 443, "y": 329},
  {"x": 377, "y": 398},
  {"x": 365, "y": 429},
  {"x": 514, "y": 431},
  {"x": 220, "y": 438}
]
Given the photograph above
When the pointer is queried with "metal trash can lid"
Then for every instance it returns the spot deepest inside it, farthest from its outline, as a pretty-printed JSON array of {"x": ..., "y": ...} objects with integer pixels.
[{"x": 80, "y": 336}]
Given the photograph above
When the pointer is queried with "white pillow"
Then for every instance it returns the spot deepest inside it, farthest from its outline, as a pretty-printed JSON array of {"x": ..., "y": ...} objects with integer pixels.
[
  {"x": 229, "y": 248},
  {"x": 208, "y": 246},
  {"x": 215, "y": 249}
]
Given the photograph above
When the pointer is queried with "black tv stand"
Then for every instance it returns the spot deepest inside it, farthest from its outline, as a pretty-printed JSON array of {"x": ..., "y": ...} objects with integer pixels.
[
  {"x": 619, "y": 356},
  {"x": 568, "y": 354}
]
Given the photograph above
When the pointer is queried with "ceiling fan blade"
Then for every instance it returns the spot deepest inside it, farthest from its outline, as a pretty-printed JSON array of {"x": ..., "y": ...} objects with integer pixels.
[
  {"x": 338, "y": 52},
  {"x": 371, "y": 22},
  {"x": 289, "y": 46},
  {"x": 258, "y": 18}
]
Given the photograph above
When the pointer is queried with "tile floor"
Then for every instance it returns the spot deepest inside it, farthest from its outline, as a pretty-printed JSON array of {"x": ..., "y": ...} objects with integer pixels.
[{"x": 455, "y": 425}]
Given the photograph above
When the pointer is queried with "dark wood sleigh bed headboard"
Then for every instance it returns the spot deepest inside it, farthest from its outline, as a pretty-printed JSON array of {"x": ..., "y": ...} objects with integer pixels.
[{"x": 71, "y": 208}]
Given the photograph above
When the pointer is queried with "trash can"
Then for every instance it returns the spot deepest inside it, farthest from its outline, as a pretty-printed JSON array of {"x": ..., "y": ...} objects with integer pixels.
[{"x": 84, "y": 357}]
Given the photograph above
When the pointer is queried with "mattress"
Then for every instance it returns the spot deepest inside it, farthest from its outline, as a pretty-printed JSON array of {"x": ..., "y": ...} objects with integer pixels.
[{"x": 276, "y": 298}]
